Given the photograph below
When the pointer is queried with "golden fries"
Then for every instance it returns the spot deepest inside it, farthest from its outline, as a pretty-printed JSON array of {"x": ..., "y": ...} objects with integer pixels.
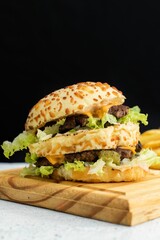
[
  {"x": 155, "y": 166},
  {"x": 151, "y": 139},
  {"x": 152, "y": 143},
  {"x": 151, "y": 132}
]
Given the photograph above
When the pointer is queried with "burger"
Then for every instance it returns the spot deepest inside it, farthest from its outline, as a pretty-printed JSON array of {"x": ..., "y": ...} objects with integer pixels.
[{"x": 83, "y": 132}]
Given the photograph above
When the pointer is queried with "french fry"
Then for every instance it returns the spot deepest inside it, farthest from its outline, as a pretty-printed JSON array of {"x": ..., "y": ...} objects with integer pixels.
[
  {"x": 149, "y": 135},
  {"x": 151, "y": 132},
  {"x": 152, "y": 144},
  {"x": 146, "y": 139},
  {"x": 155, "y": 166},
  {"x": 151, "y": 139},
  {"x": 157, "y": 150}
]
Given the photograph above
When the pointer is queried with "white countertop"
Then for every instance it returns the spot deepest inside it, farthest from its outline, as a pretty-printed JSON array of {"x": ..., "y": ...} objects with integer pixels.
[{"x": 19, "y": 221}]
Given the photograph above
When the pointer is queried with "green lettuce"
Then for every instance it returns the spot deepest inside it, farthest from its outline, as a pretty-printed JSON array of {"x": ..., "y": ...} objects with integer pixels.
[
  {"x": 135, "y": 116},
  {"x": 145, "y": 159},
  {"x": 31, "y": 170},
  {"x": 54, "y": 129},
  {"x": 76, "y": 165},
  {"x": 95, "y": 123},
  {"x": 147, "y": 156},
  {"x": 31, "y": 158},
  {"x": 21, "y": 142},
  {"x": 24, "y": 139},
  {"x": 110, "y": 156},
  {"x": 97, "y": 167}
]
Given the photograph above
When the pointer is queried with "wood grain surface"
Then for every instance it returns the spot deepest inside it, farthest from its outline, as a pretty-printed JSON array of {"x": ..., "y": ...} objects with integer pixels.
[{"x": 126, "y": 203}]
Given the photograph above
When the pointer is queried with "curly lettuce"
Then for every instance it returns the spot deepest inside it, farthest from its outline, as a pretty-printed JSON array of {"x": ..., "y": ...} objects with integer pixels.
[
  {"x": 76, "y": 165},
  {"x": 24, "y": 139},
  {"x": 135, "y": 116},
  {"x": 31, "y": 170},
  {"x": 95, "y": 123},
  {"x": 21, "y": 142}
]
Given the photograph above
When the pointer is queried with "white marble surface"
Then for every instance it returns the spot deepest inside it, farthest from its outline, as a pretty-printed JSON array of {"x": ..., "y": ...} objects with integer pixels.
[{"x": 23, "y": 222}]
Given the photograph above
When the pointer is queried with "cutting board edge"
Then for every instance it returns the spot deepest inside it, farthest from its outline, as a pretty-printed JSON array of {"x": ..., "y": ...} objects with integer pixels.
[
  {"x": 128, "y": 217},
  {"x": 122, "y": 216}
]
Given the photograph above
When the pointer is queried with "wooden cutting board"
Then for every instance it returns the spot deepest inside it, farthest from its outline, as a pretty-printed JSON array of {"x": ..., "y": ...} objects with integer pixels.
[{"x": 127, "y": 203}]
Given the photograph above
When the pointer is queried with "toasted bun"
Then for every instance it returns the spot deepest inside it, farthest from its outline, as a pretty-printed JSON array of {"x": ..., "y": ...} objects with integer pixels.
[
  {"x": 83, "y": 140},
  {"x": 131, "y": 174},
  {"x": 80, "y": 98}
]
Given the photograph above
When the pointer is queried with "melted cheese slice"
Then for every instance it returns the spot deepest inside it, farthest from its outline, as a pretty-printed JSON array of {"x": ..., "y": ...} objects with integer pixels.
[
  {"x": 55, "y": 159},
  {"x": 100, "y": 111},
  {"x": 133, "y": 149}
]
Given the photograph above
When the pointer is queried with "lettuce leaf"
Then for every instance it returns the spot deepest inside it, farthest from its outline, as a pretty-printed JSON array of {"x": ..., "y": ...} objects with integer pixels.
[
  {"x": 42, "y": 136},
  {"x": 147, "y": 156},
  {"x": 76, "y": 165},
  {"x": 54, "y": 129},
  {"x": 31, "y": 158},
  {"x": 45, "y": 171},
  {"x": 145, "y": 159},
  {"x": 21, "y": 142},
  {"x": 95, "y": 123},
  {"x": 31, "y": 170},
  {"x": 110, "y": 156},
  {"x": 134, "y": 116},
  {"x": 97, "y": 167},
  {"x": 24, "y": 139},
  {"x": 108, "y": 118}
]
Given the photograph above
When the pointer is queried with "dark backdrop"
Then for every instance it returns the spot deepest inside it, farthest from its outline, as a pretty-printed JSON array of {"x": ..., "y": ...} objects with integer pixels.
[{"x": 47, "y": 44}]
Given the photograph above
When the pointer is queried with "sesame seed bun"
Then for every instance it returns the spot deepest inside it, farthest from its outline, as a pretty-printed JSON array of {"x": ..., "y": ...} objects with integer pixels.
[
  {"x": 81, "y": 98},
  {"x": 83, "y": 140},
  {"x": 91, "y": 99},
  {"x": 134, "y": 173},
  {"x": 82, "y": 132}
]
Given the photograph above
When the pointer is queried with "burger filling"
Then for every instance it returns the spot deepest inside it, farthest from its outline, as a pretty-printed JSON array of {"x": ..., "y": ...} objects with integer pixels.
[
  {"x": 74, "y": 122},
  {"x": 117, "y": 154},
  {"x": 96, "y": 159},
  {"x": 80, "y": 121}
]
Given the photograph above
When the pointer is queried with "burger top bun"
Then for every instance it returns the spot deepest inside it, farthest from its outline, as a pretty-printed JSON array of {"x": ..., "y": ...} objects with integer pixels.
[{"x": 81, "y": 98}]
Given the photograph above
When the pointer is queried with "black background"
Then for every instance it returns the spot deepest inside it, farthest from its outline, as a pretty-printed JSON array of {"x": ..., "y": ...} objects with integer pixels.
[{"x": 48, "y": 44}]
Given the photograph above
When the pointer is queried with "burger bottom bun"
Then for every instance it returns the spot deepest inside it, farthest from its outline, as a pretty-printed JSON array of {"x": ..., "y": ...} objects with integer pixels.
[{"x": 134, "y": 173}]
